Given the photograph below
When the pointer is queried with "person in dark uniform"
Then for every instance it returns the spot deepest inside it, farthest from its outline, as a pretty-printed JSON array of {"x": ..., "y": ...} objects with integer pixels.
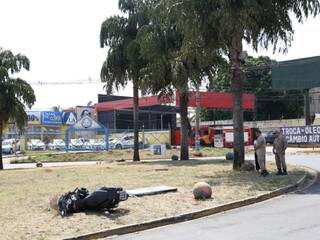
[{"x": 255, "y": 154}]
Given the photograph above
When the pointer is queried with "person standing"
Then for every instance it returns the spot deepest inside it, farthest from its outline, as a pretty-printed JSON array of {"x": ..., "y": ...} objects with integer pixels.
[
  {"x": 260, "y": 149},
  {"x": 279, "y": 148},
  {"x": 14, "y": 147},
  {"x": 255, "y": 154}
]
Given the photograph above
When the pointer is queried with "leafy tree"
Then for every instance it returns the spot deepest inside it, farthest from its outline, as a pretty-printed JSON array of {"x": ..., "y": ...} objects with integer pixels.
[
  {"x": 124, "y": 62},
  {"x": 15, "y": 93},
  {"x": 173, "y": 62},
  {"x": 214, "y": 114},
  {"x": 56, "y": 108},
  {"x": 260, "y": 23}
]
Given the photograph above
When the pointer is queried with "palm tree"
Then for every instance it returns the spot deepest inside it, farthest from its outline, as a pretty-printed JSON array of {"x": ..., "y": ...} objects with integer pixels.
[
  {"x": 15, "y": 93},
  {"x": 124, "y": 62},
  {"x": 56, "y": 108},
  {"x": 174, "y": 62}
]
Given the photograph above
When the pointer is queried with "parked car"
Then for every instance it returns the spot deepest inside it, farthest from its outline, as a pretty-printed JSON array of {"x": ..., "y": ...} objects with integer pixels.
[
  {"x": 97, "y": 144},
  {"x": 9, "y": 146},
  {"x": 87, "y": 144},
  {"x": 76, "y": 144},
  {"x": 123, "y": 142},
  {"x": 57, "y": 144},
  {"x": 270, "y": 136},
  {"x": 36, "y": 144}
]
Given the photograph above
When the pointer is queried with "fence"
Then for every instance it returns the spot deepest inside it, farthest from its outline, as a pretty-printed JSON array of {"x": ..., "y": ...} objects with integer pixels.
[
  {"x": 57, "y": 139},
  {"x": 147, "y": 137}
]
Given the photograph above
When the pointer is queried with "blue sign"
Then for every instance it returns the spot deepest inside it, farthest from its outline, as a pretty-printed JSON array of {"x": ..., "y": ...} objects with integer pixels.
[{"x": 51, "y": 118}]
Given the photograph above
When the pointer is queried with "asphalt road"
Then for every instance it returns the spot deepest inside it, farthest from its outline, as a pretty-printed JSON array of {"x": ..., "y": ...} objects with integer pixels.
[{"x": 289, "y": 217}]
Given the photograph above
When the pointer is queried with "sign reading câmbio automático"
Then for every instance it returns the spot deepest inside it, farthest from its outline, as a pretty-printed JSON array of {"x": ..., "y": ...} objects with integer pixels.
[{"x": 302, "y": 135}]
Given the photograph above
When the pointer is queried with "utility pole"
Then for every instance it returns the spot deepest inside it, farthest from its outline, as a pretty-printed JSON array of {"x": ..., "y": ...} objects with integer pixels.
[{"x": 197, "y": 137}]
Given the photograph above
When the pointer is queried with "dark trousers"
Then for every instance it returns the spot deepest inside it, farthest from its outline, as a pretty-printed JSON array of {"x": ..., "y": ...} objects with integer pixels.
[{"x": 256, "y": 162}]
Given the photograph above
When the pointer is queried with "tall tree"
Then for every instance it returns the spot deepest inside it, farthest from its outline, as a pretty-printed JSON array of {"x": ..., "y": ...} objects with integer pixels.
[
  {"x": 260, "y": 23},
  {"x": 174, "y": 62},
  {"x": 15, "y": 93},
  {"x": 124, "y": 62}
]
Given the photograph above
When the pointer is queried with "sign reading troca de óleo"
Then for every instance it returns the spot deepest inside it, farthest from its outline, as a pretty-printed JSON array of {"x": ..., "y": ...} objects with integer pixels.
[{"x": 302, "y": 135}]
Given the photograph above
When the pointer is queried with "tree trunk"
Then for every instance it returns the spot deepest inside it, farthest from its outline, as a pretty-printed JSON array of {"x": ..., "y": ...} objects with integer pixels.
[
  {"x": 136, "y": 156},
  {"x": 184, "y": 151},
  {"x": 237, "y": 77},
  {"x": 1, "y": 129}
]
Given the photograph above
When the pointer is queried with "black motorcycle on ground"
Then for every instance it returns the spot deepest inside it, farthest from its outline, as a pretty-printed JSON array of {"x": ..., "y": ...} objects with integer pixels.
[{"x": 103, "y": 198}]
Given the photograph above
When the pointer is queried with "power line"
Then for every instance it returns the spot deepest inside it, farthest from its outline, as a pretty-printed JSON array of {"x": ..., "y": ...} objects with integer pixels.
[{"x": 75, "y": 82}]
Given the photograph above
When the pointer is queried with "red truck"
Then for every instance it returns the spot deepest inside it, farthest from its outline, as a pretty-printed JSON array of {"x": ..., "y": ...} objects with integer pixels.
[{"x": 215, "y": 136}]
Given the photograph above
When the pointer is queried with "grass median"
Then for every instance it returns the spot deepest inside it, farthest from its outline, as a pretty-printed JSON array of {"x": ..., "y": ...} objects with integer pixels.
[
  {"x": 114, "y": 155},
  {"x": 25, "y": 194}
]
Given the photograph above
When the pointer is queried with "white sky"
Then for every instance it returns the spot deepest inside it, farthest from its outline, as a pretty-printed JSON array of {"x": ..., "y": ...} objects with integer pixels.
[{"x": 61, "y": 39}]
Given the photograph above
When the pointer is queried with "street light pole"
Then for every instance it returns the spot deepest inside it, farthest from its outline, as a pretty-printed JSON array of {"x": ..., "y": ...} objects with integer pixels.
[{"x": 197, "y": 137}]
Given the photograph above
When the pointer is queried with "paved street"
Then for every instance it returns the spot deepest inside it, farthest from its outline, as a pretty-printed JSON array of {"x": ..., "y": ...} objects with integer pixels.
[{"x": 289, "y": 217}]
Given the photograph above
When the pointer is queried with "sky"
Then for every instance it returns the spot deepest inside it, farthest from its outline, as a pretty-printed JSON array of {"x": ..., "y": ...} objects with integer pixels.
[{"x": 61, "y": 39}]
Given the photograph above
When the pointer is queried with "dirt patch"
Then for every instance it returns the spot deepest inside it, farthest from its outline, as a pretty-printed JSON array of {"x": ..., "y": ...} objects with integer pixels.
[{"x": 25, "y": 194}]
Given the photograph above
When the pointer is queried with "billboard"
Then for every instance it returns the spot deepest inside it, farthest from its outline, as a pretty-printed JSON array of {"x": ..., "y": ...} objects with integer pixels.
[
  {"x": 82, "y": 111},
  {"x": 33, "y": 117},
  {"x": 302, "y": 135},
  {"x": 51, "y": 118},
  {"x": 87, "y": 123}
]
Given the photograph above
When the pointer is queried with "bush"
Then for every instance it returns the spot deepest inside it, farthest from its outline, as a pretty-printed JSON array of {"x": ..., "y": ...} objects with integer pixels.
[
  {"x": 229, "y": 156},
  {"x": 168, "y": 146},
  {"x": 174, "y": 157}
]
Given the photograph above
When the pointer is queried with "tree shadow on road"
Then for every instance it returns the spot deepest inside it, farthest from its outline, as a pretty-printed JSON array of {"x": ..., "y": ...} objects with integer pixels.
[{"x": 313, "y": 189}]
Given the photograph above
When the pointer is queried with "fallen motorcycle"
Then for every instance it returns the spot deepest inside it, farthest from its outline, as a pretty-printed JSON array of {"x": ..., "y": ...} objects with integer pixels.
[{"x": 103, "y": 198}]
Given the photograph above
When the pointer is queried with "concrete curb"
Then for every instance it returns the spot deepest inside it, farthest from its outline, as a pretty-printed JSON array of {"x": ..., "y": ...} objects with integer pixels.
[{"x": 194, "y": 215}]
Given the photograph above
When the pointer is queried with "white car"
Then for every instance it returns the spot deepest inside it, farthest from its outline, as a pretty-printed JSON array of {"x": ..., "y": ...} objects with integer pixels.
[
  {"x": 36, "y": 144},
  {"x": 8, "y": 146},
  {"x": 76, "y": 144},
  {"x": 97, "y": 144},
  {"x": 123, "y": 142},
  {"x": 57, "y": 144}
]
